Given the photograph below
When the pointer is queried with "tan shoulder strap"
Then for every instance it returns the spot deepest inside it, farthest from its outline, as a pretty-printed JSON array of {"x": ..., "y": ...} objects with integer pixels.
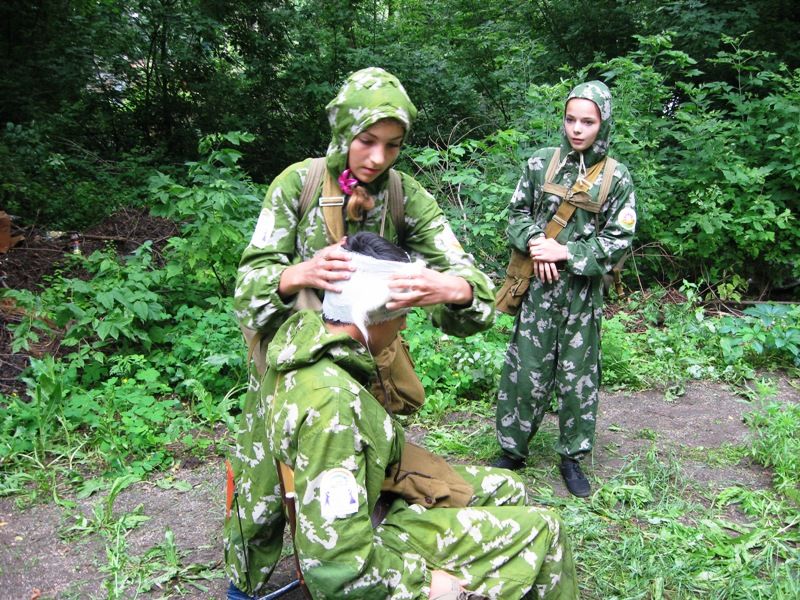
[
  {"x": 608, "y": 179},
  {"x": 552, "y": 167},
  {"x": 397, "y": 204},
  {"x": 567, "y": 207},
  {"x": 313, "y": 179},
  {"x": 332, "y": 202},
  {"x": 559, "y": 220}
]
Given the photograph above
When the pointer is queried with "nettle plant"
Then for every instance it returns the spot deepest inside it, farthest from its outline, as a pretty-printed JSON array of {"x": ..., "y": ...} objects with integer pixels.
[
  {"x": 148, "y": 345},
  {"x": 456, "y": 371},
  {"x": 216, "y": 207},
  {"x": 473, "y": 181}
]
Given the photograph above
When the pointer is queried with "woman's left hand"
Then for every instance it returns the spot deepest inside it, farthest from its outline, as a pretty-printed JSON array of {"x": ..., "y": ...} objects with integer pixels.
[{"x": 428, "y": 287}]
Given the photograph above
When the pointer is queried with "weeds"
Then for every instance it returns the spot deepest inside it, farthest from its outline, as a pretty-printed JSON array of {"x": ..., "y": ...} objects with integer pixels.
[
  {"x": 640, "y": 537},
  {"x": 777, "y": 444}
]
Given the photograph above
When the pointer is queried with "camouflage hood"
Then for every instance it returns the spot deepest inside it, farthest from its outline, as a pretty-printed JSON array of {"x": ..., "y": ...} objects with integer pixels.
[
  {"x": 303, "y": 341},
  {"x": 597, "y": 92},
  {"x": 366, "y": 97}
]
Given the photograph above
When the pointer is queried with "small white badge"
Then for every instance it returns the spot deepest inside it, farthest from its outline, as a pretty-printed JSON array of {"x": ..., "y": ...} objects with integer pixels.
[
  {"x": 627, "y": 219},
  {"x": 338, "y": 494},
  {"x": 264, "y": 228}
]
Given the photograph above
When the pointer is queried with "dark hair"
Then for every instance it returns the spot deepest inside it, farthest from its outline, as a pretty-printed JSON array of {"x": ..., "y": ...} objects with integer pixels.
[{"x": 371, "y": 244}]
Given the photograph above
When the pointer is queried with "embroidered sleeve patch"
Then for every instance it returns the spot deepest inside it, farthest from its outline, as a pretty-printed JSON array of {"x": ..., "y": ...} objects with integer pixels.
[
  {"x": 338, "y": 494},
  {"x": 627, "y": 219},
  {"x": 264, "y": 228}
]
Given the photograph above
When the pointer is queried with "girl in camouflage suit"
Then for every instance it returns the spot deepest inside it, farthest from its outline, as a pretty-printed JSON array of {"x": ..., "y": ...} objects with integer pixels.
[
  {"x": 289, "y": 251},
  {"x": 555, "y": 345}
]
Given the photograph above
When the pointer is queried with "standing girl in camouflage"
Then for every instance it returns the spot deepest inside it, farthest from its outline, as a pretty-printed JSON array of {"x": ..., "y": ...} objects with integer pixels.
[
  {"x": 555, "y": 345},
  {"x": 290, "y": 251}
]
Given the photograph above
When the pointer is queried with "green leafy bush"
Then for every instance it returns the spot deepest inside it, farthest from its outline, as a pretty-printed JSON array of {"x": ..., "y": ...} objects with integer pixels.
[
  {"x": 456, "y": 371},
  {"x": 149, "y": 347},
  {"x": 216, "y": 209},
  {"x": 766, "y": 331},
  {"x": 55, "y": 184},
  {"x": 473, "y": 181},
  {"x": 721, "y": 177}
]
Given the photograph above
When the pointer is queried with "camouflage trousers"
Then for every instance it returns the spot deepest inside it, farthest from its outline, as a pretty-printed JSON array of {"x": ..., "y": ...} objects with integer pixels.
[
  {"x": 500, "y": 546},
  {"x": 555, "y": 347}
]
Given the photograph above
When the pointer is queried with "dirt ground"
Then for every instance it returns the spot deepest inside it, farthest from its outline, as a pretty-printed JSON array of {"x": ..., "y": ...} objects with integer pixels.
[{"x": 36, "y": 563}]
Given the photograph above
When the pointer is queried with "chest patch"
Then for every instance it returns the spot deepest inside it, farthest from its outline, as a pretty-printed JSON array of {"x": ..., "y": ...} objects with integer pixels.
[{"x": 338, "y": 494}]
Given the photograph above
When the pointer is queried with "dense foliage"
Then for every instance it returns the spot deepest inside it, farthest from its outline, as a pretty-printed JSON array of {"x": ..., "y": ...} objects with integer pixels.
[{"x": 93, "y": 95}]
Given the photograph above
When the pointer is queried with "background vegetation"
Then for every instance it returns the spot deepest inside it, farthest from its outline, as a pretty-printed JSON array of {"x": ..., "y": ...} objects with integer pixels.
[
  {"x": 95, "y": 93},
  {"x": 188, "y": 107}
]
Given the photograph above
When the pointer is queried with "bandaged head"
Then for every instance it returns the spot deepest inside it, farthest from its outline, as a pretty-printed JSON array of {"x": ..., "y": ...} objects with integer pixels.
[{"x": 363, "y": 298}]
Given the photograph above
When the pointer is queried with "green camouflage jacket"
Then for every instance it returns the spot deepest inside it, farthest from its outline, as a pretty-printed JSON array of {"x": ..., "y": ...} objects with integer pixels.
[
  {"x": 323, "y": 422},
  {"x": 284, "y": 237}
]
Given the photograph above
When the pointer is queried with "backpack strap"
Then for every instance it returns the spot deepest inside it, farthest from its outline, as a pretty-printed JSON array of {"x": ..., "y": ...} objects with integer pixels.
[
  {"x": 397, "y": 205},
  {"x": 332, "y": 203},
  {"x": 608, "y": 179},
  {"x": 552, "y": 166},
  {"x": 572, "y": 198},
  {"x": 315, "y": 172}
]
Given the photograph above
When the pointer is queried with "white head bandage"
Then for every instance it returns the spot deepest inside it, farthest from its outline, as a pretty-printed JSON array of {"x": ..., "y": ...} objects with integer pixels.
[{"x": 363, "y": 298}]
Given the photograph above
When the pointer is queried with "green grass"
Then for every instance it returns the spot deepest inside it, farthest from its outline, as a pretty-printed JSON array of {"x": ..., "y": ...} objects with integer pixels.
[
  {"x": 642, "y": 536},
  {"x": 727, "y": 455}
]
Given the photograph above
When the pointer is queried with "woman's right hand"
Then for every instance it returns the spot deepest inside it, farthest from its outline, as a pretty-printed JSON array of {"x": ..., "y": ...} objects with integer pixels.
[
  {"x": 545, "y": 271},
  {"x": 544, "y": 253},
  {"x": 327, "y": 267}
]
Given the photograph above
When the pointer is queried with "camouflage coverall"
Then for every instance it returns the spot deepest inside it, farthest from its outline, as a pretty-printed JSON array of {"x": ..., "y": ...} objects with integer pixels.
[
  {"x": 322, "y": 421},
  {"x": 555, "y": 344},
  {"x": 283, "y": 237}
]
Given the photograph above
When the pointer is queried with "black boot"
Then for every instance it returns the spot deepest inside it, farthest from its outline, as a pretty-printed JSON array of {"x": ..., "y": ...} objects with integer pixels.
[
  {"x": 576, "y": 481},
  {"x": 512, "y": 463}
]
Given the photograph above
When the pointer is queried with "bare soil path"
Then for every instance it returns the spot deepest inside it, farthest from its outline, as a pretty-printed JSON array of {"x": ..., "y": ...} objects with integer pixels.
[{"x": 36, "y": 563}]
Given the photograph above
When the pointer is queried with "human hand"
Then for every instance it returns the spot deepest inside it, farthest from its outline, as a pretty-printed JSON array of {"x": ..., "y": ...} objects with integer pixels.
[
  {"x": 426, "y": 288},
  {"x": 322, "y": 271},
  {"x": 443, "y": 584},
  {"x": 545, "y": 271},
  {"x": 547, "y": 250}
]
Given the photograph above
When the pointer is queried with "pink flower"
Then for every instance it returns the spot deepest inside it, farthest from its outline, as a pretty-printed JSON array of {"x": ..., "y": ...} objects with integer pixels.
[{"x": 347, "y": 182}]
